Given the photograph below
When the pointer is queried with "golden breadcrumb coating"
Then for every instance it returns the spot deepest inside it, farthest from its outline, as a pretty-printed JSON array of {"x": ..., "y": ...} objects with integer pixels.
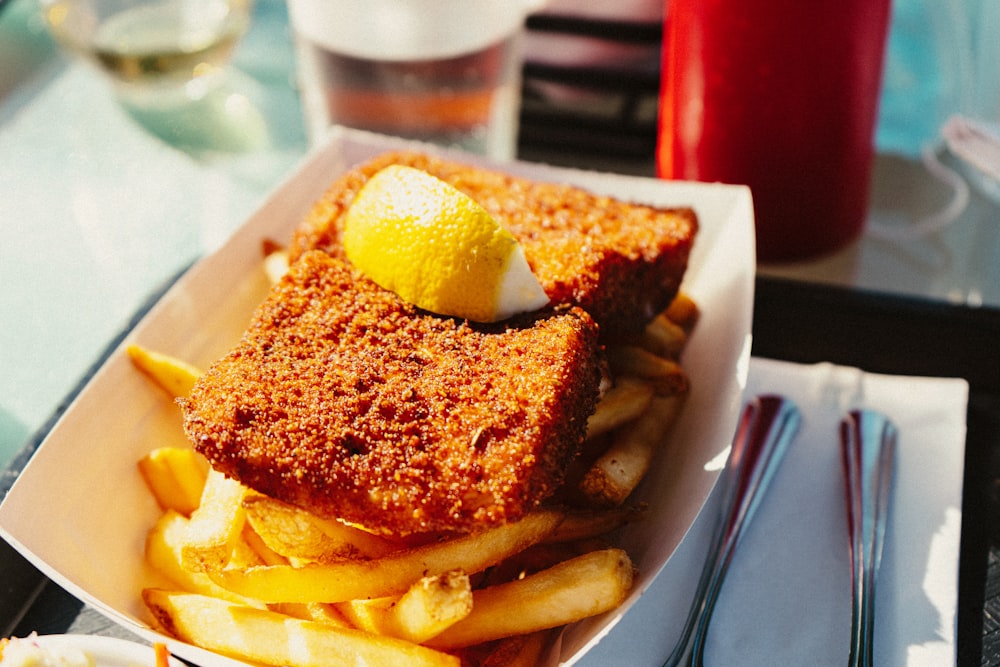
[
  {"x": 621, "y": 262},
  {"x": 345, "y": 400}
]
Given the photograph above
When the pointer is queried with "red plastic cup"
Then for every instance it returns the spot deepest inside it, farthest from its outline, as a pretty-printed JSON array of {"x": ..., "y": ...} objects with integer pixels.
[{"x": 780, "y": 95}]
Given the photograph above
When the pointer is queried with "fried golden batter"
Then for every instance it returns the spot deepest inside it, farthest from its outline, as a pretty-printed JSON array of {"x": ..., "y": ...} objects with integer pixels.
[
  {"x": 621, "y": 262},
  {"x": 345, "y": 400}
]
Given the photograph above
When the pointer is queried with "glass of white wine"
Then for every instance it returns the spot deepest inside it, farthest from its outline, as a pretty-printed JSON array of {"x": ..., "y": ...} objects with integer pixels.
[
  {"x": 152, "y": 48},
  {"x": 170, "y": 63}
]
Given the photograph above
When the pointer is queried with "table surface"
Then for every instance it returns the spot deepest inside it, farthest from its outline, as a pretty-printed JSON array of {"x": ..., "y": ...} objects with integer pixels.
[{"x": 103, "y": 206}]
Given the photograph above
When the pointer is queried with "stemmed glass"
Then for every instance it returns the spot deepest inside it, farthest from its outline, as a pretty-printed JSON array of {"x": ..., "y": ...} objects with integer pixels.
[{"x": 168, "y": 62}]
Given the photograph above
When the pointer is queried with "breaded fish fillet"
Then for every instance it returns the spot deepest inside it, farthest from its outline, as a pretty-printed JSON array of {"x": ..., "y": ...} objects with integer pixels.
[
  {"x": 621, "y": 262},
  {"x": 345, "y": 400}
]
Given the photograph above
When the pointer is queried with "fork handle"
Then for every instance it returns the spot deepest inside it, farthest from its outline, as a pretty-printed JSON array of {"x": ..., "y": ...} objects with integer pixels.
[
  {"x": 868, "y": 447},
  {"x": 766, "y": 428}
]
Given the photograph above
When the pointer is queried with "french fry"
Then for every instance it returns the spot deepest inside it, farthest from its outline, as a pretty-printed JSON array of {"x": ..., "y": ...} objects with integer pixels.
[
  {"x": 625, "y": 401},
  {"x": 175, "y": 476},
  {"x": 536, "y": 558},
  {"x": 584, "y": 525},
  {"x": 519, "y": 651},
  {"x": 578, "y": 588},
  {"x": 663, "y": 337},
  {"x": 614, "y": 475},
  {"x": 250, "y": 551},
  {"x": 174, "y": 376},
  {"x": 164, "y": 544},
  {"x": 216, "y": 526},
  {"x": 318, "y": 612},
  {"x": 392, "y": 574},
  {"x": 296, "y": 533},
  {"x": 667, "y": 376},
  {"x": 370, "y": 615},
  {"x": 270, "y": 638},
  {"x": 683, "y": 311},
  {"x": 430, "y": 606},
  {"x": 263, "y": 554}
]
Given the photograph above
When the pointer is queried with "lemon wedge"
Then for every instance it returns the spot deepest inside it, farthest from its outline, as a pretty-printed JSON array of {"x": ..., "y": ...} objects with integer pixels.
[{"x": 435, "y": 247}]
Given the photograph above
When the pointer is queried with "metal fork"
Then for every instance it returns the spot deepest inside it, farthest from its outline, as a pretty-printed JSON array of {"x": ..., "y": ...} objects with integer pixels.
[
  {"x": 766, "y": 427},
  {"x": 868, "y": 441}
]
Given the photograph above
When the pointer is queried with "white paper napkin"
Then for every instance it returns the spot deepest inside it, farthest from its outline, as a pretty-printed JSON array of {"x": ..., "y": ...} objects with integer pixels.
[{"x": 786, "y": 599}]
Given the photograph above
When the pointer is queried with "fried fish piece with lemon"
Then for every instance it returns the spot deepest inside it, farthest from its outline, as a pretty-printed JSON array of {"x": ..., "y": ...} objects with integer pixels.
[
  {"x": 347, "y": 400},
  {"x": 621, "y": 262},
  {"x": 435, "y": 247}
]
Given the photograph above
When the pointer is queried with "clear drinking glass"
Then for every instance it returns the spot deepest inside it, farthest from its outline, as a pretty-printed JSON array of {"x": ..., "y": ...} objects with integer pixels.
[
  {"x": 442, "y": 71},
  {"x": 152, "y": 47}
]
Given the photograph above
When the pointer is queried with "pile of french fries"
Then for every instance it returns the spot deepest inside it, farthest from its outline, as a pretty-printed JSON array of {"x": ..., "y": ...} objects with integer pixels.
[{"x": 265, "y": 582}]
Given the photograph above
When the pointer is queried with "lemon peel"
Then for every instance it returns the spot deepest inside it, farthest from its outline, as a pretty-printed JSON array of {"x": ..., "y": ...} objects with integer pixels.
[{"x": 435, "y": 247}]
